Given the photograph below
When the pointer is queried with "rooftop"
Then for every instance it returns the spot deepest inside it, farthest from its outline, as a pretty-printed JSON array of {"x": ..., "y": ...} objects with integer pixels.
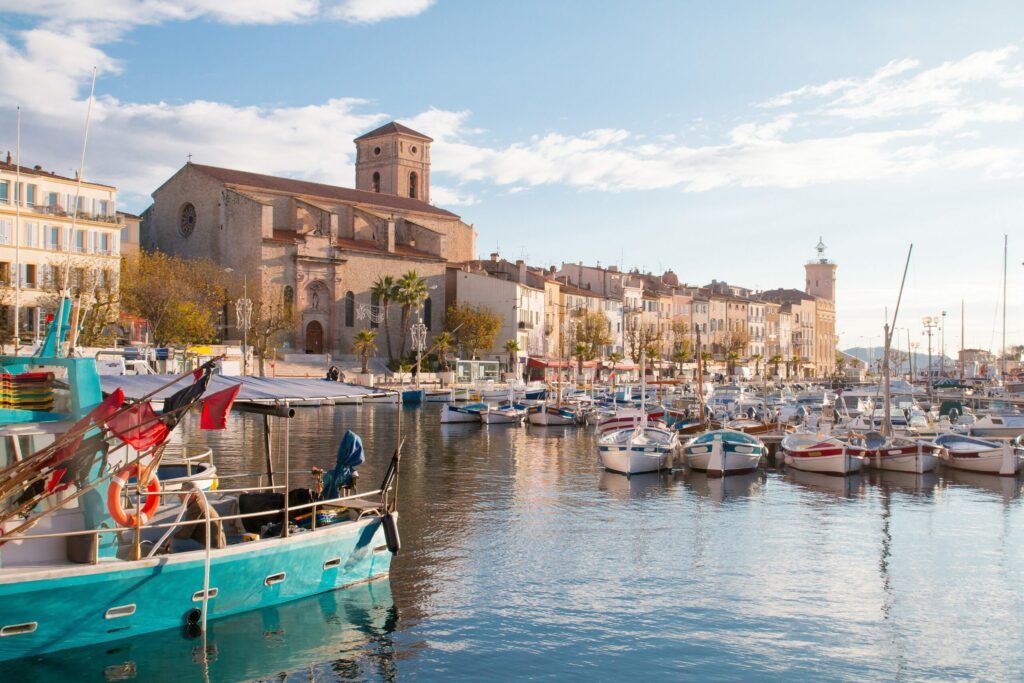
[
  {"x": 390, "y": 129},
  {"x": 319, "y": 190},
  {"x": 38, "y": 171}
]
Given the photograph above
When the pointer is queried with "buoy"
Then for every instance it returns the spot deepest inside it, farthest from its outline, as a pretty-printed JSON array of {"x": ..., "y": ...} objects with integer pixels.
[{"x": 390, "y": 524}]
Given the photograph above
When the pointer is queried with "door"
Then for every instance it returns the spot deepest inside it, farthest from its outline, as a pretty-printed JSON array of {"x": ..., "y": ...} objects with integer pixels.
[{"x": 314, "y": 337}]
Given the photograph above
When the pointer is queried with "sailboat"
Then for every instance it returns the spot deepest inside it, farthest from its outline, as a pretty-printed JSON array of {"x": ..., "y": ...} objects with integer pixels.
[
  {"x": 723, "y": 452},
  {"x": 640, "y": 448}
]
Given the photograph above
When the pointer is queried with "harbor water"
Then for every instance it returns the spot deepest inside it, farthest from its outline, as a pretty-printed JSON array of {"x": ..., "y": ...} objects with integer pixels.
[{"x": 521, "y": 559}]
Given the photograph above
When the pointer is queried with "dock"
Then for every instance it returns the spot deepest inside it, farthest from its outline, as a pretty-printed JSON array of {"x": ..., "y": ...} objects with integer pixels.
[{"x": 256, "y": 390}]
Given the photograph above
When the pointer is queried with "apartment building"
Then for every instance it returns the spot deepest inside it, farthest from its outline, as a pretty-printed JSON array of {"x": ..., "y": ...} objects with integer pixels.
[{"x": 45, "y": 233}]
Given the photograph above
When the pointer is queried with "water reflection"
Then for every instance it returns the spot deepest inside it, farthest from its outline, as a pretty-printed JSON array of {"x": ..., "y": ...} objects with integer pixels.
[
  {"x": 521, "y": 558},
  {"x": 720, "y": 489},
  {"x": 347, "y": 633},
  {"x": 838, "y": 487}
]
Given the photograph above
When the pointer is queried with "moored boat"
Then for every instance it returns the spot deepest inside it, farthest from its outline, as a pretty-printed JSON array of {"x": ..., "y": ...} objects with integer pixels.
[
  {"x": 1009, "y": 425},
  {"x": 637, "y": 450},
  {"x": 813, "y": 452},
  {"x": 978, "y": 455},
  {"x": 552, "y": 416},
  {"x": 898, "y": 454},
  {"x": 723, "y": 452},
  {"x": 451, "y": 414}
]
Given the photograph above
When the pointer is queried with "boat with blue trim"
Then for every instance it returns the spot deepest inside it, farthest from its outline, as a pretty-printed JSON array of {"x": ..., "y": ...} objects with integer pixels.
[
  {"x": 87, "y": 556},
  {"x": 723, "y": 452}
]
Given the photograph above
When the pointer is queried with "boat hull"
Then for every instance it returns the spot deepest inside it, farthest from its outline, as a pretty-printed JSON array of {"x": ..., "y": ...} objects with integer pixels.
[
  {"x": 635, "y": 460},
  {"x": 454, "y": 415},
  {"x": 550, "y": 418},
  {"x": 719, "y": 460},
  {"x": 70, "y": 604},
  {"x": 839, "y": 464},
  {"x": 916, "y": 460}
]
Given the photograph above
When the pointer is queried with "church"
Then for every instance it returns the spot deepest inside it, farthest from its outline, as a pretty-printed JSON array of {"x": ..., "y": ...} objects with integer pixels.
[{"x": 319, "y": 247}]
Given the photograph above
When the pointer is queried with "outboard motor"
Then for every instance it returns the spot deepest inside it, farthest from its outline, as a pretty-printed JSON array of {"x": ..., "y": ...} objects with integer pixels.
[{"x": 344, "y": 475}]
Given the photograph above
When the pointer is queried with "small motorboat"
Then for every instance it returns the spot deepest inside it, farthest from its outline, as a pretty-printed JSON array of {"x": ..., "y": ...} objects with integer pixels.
[
  {"x": 552, "y": 416},
  {"x": 504, "y": 415},
  {"x": 1007, "y": 425},
  {"x": 626, "y": 418},
  {"x": 451, "y": 414},
  {"x": 724, "y": 452},
  {"x": 638, "y": 449},
  {"x": 440, "y": 396},
  {"x": 978, "y": 455},
  {"x": 898, "y": 453},
  {"x": 813, "y": 452}
]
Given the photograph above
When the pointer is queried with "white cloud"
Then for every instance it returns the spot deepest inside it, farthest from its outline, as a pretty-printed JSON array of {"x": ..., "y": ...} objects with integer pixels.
[
  {"x": 372, "y": 11},
  {"x": 902, "y": 120}
]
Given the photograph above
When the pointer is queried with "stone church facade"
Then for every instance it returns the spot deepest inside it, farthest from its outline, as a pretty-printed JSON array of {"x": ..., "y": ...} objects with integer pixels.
[{"x": 319, "y": 248}]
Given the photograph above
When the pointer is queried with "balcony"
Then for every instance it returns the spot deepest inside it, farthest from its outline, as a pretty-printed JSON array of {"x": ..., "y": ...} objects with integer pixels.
[{"x": 525, "y": 325}]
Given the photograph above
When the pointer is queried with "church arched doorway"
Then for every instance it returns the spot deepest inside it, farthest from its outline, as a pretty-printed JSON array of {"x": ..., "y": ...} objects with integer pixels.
[{"x": 314, "y": 337}]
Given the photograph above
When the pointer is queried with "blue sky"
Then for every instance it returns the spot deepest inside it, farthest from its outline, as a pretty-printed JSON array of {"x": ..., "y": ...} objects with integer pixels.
[{"x": 716, "y": 139}]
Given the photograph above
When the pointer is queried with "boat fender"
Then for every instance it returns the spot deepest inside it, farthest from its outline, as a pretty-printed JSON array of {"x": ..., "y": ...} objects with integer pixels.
[
  {"x": 117, "y": 484},
  {"x": 193, "y": 623},
  {"x": 390, "y": 524}
]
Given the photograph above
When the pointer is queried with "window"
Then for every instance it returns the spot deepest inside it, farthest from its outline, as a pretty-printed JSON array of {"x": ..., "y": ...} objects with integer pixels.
[
  {"x": 104, "y": 246},
  {"x": 5, "y": 273},
  {"x": 412, "y": 185},
  {"x": 350, "y": 309},
  {"x": 428, "y": 309},
  {"x": 30, "y": 195},
  {"x": 104, "y": 208},
  {"x": 53, "y": 200},
  {"x": 5, "y": 231},
  {"x": 30, "y": 237},
  {"x": 79, "y": 243},
  {"x": 288, "y": 296},
  {"x": 375, "y": 184},
  {"x": 5, "y": 191},
  {"x": 374, "y": 303},
  {"x": 28, "y": 275}
]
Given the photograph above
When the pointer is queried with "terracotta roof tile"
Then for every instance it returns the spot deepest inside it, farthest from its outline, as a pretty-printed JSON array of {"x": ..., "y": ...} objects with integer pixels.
[
  {"x": 319, "y": 190},
  {"x": 390, "y": 128},
  {"x": 372, "y": 247}
]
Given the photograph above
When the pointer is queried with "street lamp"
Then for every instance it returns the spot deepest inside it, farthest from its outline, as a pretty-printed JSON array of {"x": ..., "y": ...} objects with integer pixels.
[
  {"x": 419, "y": 342},
  {"x": 243, "y": 317},
  {"x": 942, "y": 346},
  {"x": 930, "y": 322}
]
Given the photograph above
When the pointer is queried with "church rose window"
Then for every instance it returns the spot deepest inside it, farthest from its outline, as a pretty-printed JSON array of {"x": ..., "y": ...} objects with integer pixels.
[{"x": 187, "y": 219}]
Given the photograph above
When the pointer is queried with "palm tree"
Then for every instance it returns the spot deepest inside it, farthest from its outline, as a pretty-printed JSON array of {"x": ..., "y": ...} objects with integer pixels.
[
  {"x": 582, "y": 350},
  {"x": 412, "y": 292},
  {"x": 512, "y": 349},
  {"x": 443, "y": 343},
  {"x": 775, "y": 360},
  {"x": 385, "y": 290},
  {"x": 364, "y": 345},
  {"x": 757, "y": 363},
  {"x": 730, "y": 361}
]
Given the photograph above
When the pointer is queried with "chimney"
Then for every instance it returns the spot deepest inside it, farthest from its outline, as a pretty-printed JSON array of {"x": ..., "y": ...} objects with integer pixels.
[
  {"x": 8, "y": 156},
  {"x": 494, "y": 256}
]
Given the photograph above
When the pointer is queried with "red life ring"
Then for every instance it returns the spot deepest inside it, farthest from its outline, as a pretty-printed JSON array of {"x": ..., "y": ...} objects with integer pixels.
[{"x": 117, "y": 484}]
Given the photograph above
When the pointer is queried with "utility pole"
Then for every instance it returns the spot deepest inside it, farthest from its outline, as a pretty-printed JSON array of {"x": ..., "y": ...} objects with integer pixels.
[{"x": 942, "y": 346}]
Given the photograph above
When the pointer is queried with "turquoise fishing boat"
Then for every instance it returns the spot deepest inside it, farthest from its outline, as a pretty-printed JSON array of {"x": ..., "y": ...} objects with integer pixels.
[{"x": 86, "y": 558}]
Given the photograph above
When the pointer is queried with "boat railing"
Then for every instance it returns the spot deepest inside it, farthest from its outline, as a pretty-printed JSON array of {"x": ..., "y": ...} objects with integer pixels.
[{"x": 242, "y": 515}]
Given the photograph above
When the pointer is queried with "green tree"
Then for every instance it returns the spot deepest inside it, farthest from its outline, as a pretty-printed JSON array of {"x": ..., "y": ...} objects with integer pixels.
[
  {"x": 757, "y": 363},
  {"x": 385, "y": 290},
  {"x": 364, "y": 345},
  {"x": 512, "y": 349},
  {"x": 730, "y": 359},
  {"x": 474, "y": 328},
  {"x": 411, "y": 292},
  {"x": 443, "y": 344},
  {"x": 181, "y": 299},
  {"x": 592, "y": 334},
  {"x": 775, "y": 360}
]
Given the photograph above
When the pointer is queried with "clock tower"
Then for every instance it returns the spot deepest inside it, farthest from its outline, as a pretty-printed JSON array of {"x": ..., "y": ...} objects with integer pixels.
[{"x": 394, "y": 159}]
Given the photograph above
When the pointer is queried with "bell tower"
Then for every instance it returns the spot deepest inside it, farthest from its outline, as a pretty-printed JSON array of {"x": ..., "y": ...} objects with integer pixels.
[
  {"x": 394, "y": 159},
  {"x": 821, "y": 275}
]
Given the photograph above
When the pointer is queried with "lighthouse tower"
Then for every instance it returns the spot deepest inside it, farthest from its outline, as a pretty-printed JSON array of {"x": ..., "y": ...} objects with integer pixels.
[{"x": 821, "y": 275}]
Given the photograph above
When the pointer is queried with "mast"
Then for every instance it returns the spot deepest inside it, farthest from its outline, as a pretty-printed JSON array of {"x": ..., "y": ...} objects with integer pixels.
[
  {"x": 1002, "y": 372},
  {"x": 74, "y": 213},
  {"x": 700, "y": 378},
  {"x": 18, "y": 197},
  {"x": 886, "y": 420},
  {"x": 961, "y": 341}
]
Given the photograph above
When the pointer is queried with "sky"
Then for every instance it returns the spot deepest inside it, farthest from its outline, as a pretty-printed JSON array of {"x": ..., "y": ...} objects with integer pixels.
[{"x": 719, "y": 140}]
